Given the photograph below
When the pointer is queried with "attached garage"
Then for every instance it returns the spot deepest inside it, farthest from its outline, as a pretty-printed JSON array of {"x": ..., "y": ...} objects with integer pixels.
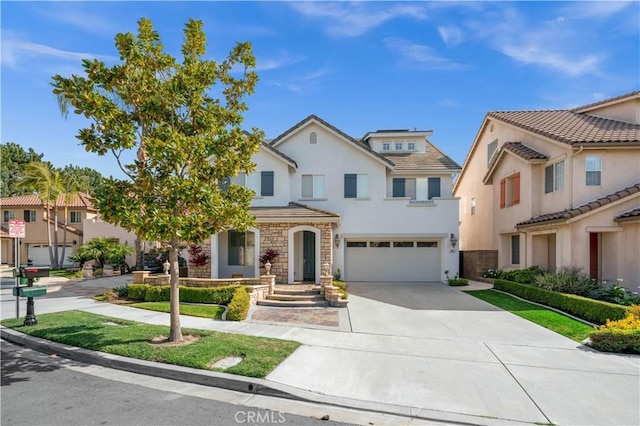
[
  {"x": 389, "y": 260},
  {"x": 39, "y": 254}
]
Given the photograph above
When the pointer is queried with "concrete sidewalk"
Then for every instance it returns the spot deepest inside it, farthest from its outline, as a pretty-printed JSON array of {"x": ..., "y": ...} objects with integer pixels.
[{"x": 468, "y": 363}]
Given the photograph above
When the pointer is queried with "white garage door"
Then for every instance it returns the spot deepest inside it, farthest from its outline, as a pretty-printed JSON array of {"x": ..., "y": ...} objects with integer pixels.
[
  {"x": 390, "y": 260},
  {"x": 39, "y": 254}
]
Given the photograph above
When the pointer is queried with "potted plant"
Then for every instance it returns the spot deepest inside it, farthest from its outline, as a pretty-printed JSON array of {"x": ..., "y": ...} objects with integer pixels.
[{"x": 267, "y": 259}]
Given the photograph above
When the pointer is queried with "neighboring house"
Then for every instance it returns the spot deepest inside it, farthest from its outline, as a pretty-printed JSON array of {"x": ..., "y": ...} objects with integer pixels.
[
  {"x": 35, "y": 245},
  {"x": 94, "y": 227},
  {"x": 377, "y": 208},
  {"x": 555, "y": 188}
]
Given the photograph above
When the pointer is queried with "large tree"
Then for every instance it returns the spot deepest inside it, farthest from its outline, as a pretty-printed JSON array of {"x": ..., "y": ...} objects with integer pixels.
[
  {"x": 183, "y": 121},
  {"x": 13, "y": 160}
]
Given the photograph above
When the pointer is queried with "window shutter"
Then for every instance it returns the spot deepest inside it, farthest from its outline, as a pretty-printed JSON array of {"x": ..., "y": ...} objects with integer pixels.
[
  {"x": 548, "y": 179},
  {"x": 434, "y": 187},
  {"x": 350, "y": 186},
  {"x": 516, "y": 188},
  {"x": 398, "y": 187},
  {"x": 503, "y": 193},
  {"x": 266, "y": 184},
  {"x": 307, "y": 186}
]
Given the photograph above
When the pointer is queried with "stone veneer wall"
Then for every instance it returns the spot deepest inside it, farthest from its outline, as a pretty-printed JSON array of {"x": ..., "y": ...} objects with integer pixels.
[
  {"x": 476, "y": 262},
  {"x": 275, "y": 236},
  {"x": 201, "y": 271}
]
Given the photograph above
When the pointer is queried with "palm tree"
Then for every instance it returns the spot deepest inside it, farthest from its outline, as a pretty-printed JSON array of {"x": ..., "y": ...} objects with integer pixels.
[{"x": 69, "y": 188}]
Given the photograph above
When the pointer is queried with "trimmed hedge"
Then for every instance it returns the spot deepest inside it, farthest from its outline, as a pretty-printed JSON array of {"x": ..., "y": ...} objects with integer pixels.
[
  {"x": 457, "y": 282},
  {"x": 153, "y": 293},
  {"x": 239, "y": 305},
  {"x": 613, "y": 340},
  {"x": 595, "y": 311}
]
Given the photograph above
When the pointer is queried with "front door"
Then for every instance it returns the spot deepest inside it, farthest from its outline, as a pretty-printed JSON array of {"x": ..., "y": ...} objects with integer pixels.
[
  {"x": 309, "y": 256},
  {"x": 594, "y": 256}
]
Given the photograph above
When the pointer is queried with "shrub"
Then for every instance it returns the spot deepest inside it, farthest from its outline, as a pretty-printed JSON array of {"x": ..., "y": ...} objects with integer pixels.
[
  {"x": 340, "y": 284},
  {"x": 619, "y": 336},
  {"x": 616, "y": 294},
  {"x": 239, "y": 305},
  {"x": 523, "y": 276},
  {"x": 455, "y": 282},
  {"x": 343, "y": 293},
  {"x": 569, "y": 279},
  {"x": 158, "y": 293},
  {"x": 215, "y": 295},
  {"x": 110, "y": 295},
  {"x": 123, "y": 292},
  {"x": 493, "y": 273},
  {"x": 137, "y": 291},
  {"x": 595, "y": 311}
]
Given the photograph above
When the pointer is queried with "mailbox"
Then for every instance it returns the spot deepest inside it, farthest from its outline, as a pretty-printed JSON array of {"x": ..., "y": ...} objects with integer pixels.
[
  {"x": 34, "y": 291},
  {"x": 31, "y": 272}
]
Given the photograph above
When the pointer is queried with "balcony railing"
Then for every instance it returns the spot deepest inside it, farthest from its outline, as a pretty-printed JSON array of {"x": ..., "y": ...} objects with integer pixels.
[{"x": 422, "y": 202}]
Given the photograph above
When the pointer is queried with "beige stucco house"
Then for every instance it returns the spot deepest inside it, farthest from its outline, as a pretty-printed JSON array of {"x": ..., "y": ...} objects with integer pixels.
[
  {"x": 555, "y": 188},
  {"x": 35, "y": 245}
]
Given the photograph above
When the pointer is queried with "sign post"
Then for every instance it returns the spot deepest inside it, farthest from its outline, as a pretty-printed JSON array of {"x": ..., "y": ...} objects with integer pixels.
[{"x": 17, "y": 231}]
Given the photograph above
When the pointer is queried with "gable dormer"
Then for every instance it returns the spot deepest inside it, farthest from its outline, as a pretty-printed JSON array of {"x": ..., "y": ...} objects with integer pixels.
[
  {"x": 397, "y": 141},
  {"x": 621, "y": 108}
]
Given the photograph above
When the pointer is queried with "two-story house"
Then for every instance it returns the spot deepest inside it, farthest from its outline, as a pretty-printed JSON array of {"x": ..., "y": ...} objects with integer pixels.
[
  {"x": 378, "y": 208},
  {"x": 35, "y": 245},
  {"x": 555, "y": 188}
]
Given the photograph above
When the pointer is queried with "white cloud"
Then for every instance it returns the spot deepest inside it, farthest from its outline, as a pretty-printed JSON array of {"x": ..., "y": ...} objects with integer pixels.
[
  {"x": 537, "y": 54},
  {"x": 16, "y": 51},
  {"x": 72, "y": 14},
  {"x": 450, "y": 35},
  {"x": 419, "y": 56},
  {"x": 281, "y": 61},
  {"x": 354, "y": 19},
  {"x": 597, "y": 9}
]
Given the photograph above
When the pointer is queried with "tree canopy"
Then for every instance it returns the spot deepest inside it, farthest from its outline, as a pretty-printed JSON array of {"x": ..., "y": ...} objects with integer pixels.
[
  {"x": 186, "y": 139},
  {"x": 13, "y": 160}
]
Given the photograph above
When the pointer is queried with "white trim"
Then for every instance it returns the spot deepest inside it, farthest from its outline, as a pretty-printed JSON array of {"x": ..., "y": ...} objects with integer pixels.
[{"x": 291, "y": 250}]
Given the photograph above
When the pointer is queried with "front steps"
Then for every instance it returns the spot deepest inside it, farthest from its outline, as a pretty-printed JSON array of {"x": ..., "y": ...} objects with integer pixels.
[{"x": 295, "y": 296}]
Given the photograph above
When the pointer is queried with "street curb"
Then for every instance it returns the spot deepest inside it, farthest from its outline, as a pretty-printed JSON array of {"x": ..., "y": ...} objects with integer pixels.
[{"x": 155, "y": 369}]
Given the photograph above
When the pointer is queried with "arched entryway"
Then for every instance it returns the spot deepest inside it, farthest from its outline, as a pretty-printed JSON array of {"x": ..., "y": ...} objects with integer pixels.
[
  {"x": 235, "y": 254},
  {"x": 304, "y": 254}
]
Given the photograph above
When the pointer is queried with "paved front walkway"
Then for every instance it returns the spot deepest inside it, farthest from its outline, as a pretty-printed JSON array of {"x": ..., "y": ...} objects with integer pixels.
[{"x": 455, "y": 360}]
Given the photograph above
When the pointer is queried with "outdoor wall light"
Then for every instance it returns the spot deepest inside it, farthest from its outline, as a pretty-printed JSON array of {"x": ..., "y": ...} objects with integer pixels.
[
  {"x": 336, "y": 240},
  {"x": 454, "y": 240}
]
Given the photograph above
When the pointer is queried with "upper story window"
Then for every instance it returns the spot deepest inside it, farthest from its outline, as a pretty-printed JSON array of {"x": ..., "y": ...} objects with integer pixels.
[
  {"x": 593, "y": 167},
  {"x": 510, "y": 190},
  {"x": 75, "y": 217},
  {"x": 260, "y": 183},
  {"x": 399, "y": 146},
  {"x": 312, "y": 186},
  {"x": 554, "y": 177},
  {"x": 491, "y": 149},
  {"x": 313, "y": 138},
  {"x": 356, "y": 186},
  {"x": 29, "y": 215},
  {"x": 411, "y": 146},
  {"x": 473, "y": 206},
  {"x": 417, "y": 189},
  {"x": 386, "y": 146},
  {"x": 8, "y": 215}
]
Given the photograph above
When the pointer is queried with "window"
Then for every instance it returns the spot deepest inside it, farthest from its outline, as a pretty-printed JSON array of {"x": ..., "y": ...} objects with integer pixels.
[
  {"x": 8, "y": 215},
  {"x": 403, "y": 187},
  {"x": 356, "y": 186},
  {"x": 379, "y": 244},
  {"x": 473, "y": 206},
  {"x": 312, "y": 186},
  {"x": 398, "y": 146},
  {"x": 416, "y": 189},
  {"x": 356, "y": 244},
  {"x": 75, "y": 217},
  {"x": 403, "y": 244},
  {"x": 510, "y": 190},
  {"x": 593, "y": 166},
  {"x": 313, "y": 138},
  {"x": 427, "y": 244},
  {"x": 260, "y": 183},
  {"x": 515, "y": 249},
  {"x": 491, "y": 149},
  {"x": 29, "y": 215},
  {"x": 554, "y": 177},
  {"x": 411, "y": 146},
  {"x": 241, "y": 247},
  {"x": 386, "y": 146}
]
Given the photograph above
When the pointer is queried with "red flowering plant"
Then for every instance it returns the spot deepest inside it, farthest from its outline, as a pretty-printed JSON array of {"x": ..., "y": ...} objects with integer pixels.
[{"x": 269, "y": 256}]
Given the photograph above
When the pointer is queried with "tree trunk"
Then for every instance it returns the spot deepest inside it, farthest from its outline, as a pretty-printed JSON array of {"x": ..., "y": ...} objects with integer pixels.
[
  {"x": 64, "y": 240},
  {"x": 139, "y": 254},
  {"x": 55, "y": 235},
  {"x": 48, "y": 209},
  {"x": 175, "y": 333}
]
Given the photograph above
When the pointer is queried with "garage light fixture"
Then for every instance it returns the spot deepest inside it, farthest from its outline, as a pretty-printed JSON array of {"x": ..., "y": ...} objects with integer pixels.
[
  {"x": 336, "y": 240},
  {"x": 453, "y": 240}
]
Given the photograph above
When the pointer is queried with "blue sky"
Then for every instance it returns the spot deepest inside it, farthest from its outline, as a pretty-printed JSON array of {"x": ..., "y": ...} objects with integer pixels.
[{"x": 363, "y": 66}]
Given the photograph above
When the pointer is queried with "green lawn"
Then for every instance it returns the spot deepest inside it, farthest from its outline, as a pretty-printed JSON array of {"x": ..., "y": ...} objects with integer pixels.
[
  {"x": 66, "y": 273},
  {"x": 547, "y": 318},
  {"x": 131, "y": 339},
  {"x": 204, "y": 311}
]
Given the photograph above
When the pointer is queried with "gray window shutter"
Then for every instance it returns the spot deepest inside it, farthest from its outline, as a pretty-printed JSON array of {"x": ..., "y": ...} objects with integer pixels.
[
  {"x": 434, "y": 187},
  {"x": 307, "y": 186},
  {"x": 350, "y": 186},
  {"x": 398, "y": 187},
  {"x": 266, "y": 184},
  {"x": 548, "y": 179}
]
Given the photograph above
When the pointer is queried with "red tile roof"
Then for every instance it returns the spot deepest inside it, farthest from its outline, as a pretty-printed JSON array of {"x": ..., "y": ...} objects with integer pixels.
[
  {"x": 630, "y": 215},
  {"x": 565, "y": 215},
  {"x": 606, "y": 101},
  {"x": 82, "y": 200},
  {"x": 571, "y": 127},
  {"x": 293, "y": 212},
  {"x": 523, "y": 151}
]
